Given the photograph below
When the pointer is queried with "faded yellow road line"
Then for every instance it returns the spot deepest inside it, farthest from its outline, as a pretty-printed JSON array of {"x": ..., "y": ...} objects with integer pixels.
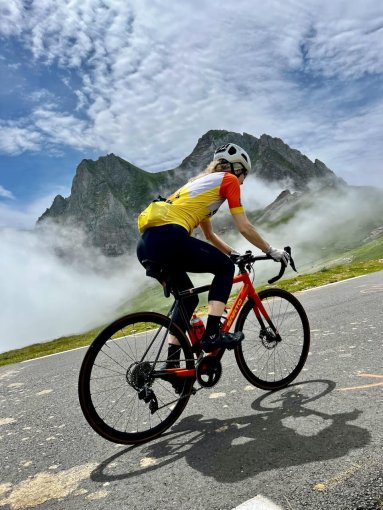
[
  {"x": 365, "y": 386},
  {"x": 328, "y": 484}
]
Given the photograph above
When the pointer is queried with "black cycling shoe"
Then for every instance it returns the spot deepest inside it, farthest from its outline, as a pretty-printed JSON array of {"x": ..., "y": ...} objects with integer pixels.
[{"x": 222, "y": 340}]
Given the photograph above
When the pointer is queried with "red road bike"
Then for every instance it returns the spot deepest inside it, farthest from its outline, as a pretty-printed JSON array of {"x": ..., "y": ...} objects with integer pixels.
[{"x": 128, "y": 398}]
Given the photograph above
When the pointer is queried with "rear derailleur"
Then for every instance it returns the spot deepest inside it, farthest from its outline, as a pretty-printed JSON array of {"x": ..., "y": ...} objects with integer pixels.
[{"x": 148, "y": 396}]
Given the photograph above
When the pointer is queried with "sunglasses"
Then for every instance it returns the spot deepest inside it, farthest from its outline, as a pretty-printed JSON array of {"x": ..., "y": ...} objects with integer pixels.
[{"x": 238, "y": 167}]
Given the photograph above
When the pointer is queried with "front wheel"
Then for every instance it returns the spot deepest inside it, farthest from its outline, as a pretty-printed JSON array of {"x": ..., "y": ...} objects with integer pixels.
[
  {"x": 121, "y": 393},
  {"x": 269, "y": 359}
]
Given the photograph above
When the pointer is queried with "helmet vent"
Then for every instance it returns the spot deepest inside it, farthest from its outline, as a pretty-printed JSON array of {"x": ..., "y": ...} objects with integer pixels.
[
  {"x": 233, "y": 154},
  {"x": 222, "y": 148}
]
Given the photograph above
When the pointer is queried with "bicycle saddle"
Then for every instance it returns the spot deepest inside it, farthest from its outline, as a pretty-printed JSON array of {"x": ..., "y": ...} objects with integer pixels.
[{"x": 157, "y": 271}]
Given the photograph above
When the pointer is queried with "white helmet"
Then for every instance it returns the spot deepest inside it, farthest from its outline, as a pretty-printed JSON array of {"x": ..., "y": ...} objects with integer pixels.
[{"x": 233, "y": 154}]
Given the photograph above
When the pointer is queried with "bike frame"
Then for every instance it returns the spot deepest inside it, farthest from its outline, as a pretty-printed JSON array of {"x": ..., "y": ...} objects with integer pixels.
[{"x": 247, "y": 291}]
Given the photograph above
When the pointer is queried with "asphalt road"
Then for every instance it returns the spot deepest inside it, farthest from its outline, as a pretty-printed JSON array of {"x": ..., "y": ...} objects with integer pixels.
[{"x": 316, "y": 444}]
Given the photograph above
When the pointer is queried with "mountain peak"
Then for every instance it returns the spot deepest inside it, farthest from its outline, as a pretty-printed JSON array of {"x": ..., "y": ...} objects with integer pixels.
[{"x": 109, "y": 193}]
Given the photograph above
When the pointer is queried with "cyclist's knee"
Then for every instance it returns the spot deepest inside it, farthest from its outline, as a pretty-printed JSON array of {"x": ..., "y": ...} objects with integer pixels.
[{"x": 228, "y": 266}]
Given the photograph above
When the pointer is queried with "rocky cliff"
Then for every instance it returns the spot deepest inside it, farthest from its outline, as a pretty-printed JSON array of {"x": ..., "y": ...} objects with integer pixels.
[{"x": 108, "y": 194}]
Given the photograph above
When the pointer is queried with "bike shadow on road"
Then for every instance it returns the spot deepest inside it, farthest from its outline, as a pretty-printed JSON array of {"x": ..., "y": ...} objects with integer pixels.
[{"x": 281, "y": 432}]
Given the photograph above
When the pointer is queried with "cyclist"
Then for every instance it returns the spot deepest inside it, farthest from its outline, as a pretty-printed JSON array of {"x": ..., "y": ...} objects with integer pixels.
[{"x": 166, "y": 227}]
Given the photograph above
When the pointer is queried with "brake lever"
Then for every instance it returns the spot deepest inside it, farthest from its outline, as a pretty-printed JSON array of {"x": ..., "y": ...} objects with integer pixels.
[{"x": 292, "y": 263}]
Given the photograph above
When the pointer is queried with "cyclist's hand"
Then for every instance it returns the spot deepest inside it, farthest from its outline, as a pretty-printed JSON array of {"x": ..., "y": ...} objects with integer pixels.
[
  {"x": 278, "y": 255},
  {"x": 234, "y": 256}
]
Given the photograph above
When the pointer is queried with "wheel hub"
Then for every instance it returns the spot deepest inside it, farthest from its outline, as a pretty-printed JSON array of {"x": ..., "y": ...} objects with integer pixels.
[{"x": 269, "y": 338}]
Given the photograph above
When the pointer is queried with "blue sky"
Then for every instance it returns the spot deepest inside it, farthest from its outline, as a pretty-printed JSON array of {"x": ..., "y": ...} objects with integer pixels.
[{"x": 145, "y": 79}]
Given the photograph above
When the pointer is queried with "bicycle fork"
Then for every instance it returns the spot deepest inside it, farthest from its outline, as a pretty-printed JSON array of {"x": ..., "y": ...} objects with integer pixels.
[{"x": 268, "y": 333}]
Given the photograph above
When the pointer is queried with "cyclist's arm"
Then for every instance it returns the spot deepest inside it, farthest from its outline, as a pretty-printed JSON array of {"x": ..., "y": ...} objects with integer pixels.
[
  {"x": 249, "y": 232},
  {"x": 212, "y": 237}
]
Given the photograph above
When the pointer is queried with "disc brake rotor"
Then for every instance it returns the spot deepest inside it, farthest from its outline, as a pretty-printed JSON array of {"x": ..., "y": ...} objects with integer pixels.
[{"x": 268, "y": 338}]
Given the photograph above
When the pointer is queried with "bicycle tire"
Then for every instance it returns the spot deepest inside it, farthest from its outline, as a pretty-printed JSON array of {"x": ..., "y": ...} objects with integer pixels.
[
  {"x": 115, "y": 357},
  {"x": 266, "y": 364}
]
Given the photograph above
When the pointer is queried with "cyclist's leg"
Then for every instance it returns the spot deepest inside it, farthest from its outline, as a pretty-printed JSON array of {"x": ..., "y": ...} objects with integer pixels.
[
  {"x": 173, "y": 247},
  {"x": 202, "y": 257},
  {"x": 164, "y": 246},
  {"x": 181, "y": 281}
]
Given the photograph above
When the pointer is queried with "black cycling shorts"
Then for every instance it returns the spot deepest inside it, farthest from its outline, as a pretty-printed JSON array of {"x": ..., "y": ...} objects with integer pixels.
[{"x": 178, "y": 252}]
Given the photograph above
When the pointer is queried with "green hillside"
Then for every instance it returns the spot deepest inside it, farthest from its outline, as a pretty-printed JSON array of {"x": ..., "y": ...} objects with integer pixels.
[{"x": 358, "y": 261}]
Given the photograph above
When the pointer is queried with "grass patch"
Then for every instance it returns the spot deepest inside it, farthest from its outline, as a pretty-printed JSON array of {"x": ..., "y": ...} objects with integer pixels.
[
  {"x": 360, "y": 266},
  {"x": 62, "y": 344},
  {"x": 328, "y": 275}
]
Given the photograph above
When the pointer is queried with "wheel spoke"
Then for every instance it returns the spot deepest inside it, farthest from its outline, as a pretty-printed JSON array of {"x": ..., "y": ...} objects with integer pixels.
[
  {"x": 267, "y": 361},
  {"x": 141, "y": 406}
]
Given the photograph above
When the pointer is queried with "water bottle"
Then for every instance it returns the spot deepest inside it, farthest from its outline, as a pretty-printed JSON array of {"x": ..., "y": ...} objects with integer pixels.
[{"x": 197, "y": 328}]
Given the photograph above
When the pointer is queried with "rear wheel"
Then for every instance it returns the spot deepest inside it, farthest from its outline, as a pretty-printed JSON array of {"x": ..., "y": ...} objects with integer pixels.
[
  {"x": 120, "y": 395},
  {"x": 271, "y": 361}
]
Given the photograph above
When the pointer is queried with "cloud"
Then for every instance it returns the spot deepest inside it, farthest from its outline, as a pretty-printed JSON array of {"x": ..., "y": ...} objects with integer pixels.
[
  {"x": 328, "y": 222},
  {"x": 62, "y": 129},
  {"x": 53, "y": 295},
  {"x": 11, "y": 19},
  {"x": 16, "y": 215},
  {"x": 257, "y": 194},
  {"x": 4, "y": 193},
  {"x": 145, "y": 81},
  {"x": 319, "y": 227},
  {"x": 146, "y": 91},
  {"x": 346, "y": 46},
  {"x": 17, "y": 138}
]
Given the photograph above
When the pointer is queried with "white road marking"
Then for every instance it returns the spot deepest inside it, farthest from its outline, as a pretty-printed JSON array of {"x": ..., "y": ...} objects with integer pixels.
[
  {"x": 330, "y": 284},
  {"x": 148, "y": 462},
  {"x": 45, "y": 487},
  {"x": 258, "y": 503},
  {"x": 7, "y": 421},
  {"x": 373, "y": 289},
  {"x": 299, "y": 292},
  {"x": 54, "y": 354},
  {"x": 44, "y": 392},
  {"x": 94, "y": 496}
]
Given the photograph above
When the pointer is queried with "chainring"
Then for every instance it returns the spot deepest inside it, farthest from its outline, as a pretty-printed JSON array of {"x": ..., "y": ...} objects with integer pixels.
[{"x": 209, "y": 371}]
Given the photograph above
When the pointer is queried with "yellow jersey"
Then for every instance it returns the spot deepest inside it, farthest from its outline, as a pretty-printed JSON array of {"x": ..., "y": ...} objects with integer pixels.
[{"x": 197, "y": 200}]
